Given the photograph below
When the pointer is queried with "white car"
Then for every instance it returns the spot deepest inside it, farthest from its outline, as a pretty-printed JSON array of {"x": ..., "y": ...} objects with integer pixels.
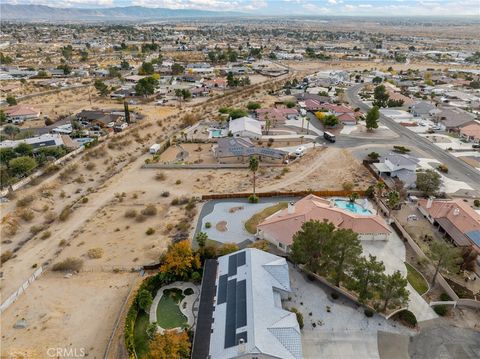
[{"x": 300, "y": 151}]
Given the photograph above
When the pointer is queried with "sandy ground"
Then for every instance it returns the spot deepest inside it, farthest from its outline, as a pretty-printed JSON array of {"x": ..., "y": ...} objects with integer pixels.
[{"x": 54, "y": 319}]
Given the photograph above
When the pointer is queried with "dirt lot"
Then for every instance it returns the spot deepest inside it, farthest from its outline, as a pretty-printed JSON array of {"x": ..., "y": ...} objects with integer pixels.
[{"x": 52, "y": 312}]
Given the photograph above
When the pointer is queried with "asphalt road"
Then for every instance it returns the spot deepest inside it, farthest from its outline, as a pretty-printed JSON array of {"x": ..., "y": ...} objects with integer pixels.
[{"x": 457, "y": 168}]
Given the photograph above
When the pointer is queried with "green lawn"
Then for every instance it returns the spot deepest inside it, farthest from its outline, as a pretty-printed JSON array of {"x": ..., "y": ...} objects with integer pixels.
[
  {"x": 416, "y": 279},
  {"x": 253, "y": 222},
  {"x": 168, "y": 313},
  {"x": 140, "y": 335}
]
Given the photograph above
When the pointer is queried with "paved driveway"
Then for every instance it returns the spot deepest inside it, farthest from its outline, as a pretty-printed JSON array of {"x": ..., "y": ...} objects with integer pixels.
[
  {"x": 344, "y": 332},
  {"x": 392, "y": 253}
]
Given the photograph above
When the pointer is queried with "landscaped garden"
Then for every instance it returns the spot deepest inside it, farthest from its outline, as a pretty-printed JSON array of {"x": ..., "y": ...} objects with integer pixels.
[
  {"x": 416, "y": 279},
  {"x": 257, "y": 218},
  {"x": 169, "y": 315}
]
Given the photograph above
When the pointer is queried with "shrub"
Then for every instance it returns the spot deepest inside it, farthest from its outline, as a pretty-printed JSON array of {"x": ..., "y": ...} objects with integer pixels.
[
  {"x": 84, "y": 199},
  {"x": 25, "y": 201},
  {"x": 36, "y": 229},
  {"x": 444, "y": 297},
  {"x": 95, "y": 253},
  {"x": 160, "y": 176},
  {"x": 334, "y": 295},
  {"x": 140, "y": 218},
  {"x": 26, "y": 214},
  {"x": 188, "y": 291},
  {"x": 65, "y": 213},
  {"x": 149, "y": 210},
  {"x": 252, "y": 199},
  {"x": 45, "y": 235},
  {"x": 208, "y": 225},
  {"x": 299, "y": 316},
  {"x": 441, "y": 310},
  {"x": 165, "y": 194},
  {"x": 347, "y": 186},
  {"x": 408, "y": 317},
  {"x": 150, "y": 231},
  {"x": 368, "y": 312},
  {"x": 90, "y": 166},
  {"x": 476, "y": 203},
  {"x": 178, "y": 181},
  {"x": 70, "y": 264},
  {"x": 6, "y": 256},
  {"x": 130, "y": 213},
  {"x": 49, "y": 217},
  {"x": 196, "y": 278}
]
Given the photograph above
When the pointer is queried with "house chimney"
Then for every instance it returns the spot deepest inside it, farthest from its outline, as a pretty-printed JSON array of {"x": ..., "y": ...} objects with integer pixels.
[
  {"x": 429, "y": 202},
  {"x": 291, "y": 208},
  {"x": 241, "y": 346}
]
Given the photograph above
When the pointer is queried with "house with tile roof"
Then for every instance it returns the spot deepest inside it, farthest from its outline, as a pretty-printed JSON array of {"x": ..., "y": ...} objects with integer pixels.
[
  {"x": 249, "y": 320},
  {"x": 280, "y": 227},
  {"x": 21, "y": 113},
  {"x": 471, "y": 132},
  {"x": 454, "y": 218},
  {"x": 276, "y": 115}
]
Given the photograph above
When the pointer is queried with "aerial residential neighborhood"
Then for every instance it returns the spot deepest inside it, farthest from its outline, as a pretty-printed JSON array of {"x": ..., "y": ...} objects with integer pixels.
[{"x": 240, "y": 179}]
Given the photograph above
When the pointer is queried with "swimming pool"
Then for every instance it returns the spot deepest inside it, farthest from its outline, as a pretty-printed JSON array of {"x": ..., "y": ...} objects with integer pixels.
[
  {"x": 215, "y": 133},
  {"x": 351, "y": 207}
]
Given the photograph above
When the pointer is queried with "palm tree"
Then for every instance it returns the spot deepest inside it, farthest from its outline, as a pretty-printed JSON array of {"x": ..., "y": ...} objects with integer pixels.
[
  {"x": 380, "y": 186},
  {"x": 393, "y": 199},
  {"x": 253, "y": 166},
  {"x": 353, "y": 197}
]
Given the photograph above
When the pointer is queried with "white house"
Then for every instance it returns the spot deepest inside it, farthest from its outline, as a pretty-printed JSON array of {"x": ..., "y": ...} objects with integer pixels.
[
  {"x": 249, "y": 320},
  {"x": 245, "y": 127}
]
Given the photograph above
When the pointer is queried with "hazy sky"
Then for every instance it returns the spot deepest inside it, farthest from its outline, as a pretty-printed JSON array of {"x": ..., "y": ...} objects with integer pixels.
[{"x": 289, "y": 7}]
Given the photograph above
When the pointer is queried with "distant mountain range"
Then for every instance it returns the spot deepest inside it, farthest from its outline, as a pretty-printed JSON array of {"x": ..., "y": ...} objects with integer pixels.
[{"x": 10, "y": 12}]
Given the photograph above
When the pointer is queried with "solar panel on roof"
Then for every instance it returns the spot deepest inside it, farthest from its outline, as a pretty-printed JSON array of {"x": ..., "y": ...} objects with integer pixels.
[
  {"x": 232, "y": 265},
  {"x": 222, "y": 289},
  {"x": 240, "y": 259},
  {"x": 241, "y": 304},
  {"x": 231, "y": 313}
]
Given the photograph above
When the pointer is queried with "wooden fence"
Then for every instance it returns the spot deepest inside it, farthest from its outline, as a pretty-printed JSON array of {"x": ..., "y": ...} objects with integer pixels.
[{"x": 320, "y": 193}]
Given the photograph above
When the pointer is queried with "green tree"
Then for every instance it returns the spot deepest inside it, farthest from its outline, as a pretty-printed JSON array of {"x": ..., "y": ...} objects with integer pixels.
[
  {"x": 11, "y": 131},
  {"x": 126, "y": 111},
  {"x": 253, "y": 106},
  {"x": 20, "y": 166},
  {"x": 393, "y": 198},
  {"x": 428, "y": 182},
  {"x": 144, "y": 300},
  {"x": 124, "y": 65},
  {"x": 6, "y": 154},
  {"x": 146, "y": 69},
  {"x": 444, "y": 257},
  {"x": 330, "y": 121},
  {"x": 67, "y": 51},
  {"x": 3, "y": 117},
  {"x": 24, "y": 149},
  {"x": 5, "y": 59},
  {"x": 381, "y": 96},
  {"x": 308, "y": 243},
  {"x": 373, "y": 155},
  {"x": 231, "y": 80},
  {"x": 146, "y": 86},
  {"x": 11, "y": 100},
  {"x": 5, "y": 178},
  {"x": 201, "y": 239},
  {"x": 377, "y": 80},
  {"x": 253, "y": 167},
  {"x": 101, "y": 87},
  {"x": 341, "y": 252},
  {"x": 393, "y": 287},
  {"x": 367, "y": 276},
  {"x": 371, "y": 121},
  {"x": 177, "y": 69},
  {"x": 66, "y": 68}
]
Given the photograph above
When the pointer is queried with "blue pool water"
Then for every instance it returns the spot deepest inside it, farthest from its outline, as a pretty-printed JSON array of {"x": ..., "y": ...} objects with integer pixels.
[
  {"x": 216, "y": 133},
  {"x": 351, "y": 207}
]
